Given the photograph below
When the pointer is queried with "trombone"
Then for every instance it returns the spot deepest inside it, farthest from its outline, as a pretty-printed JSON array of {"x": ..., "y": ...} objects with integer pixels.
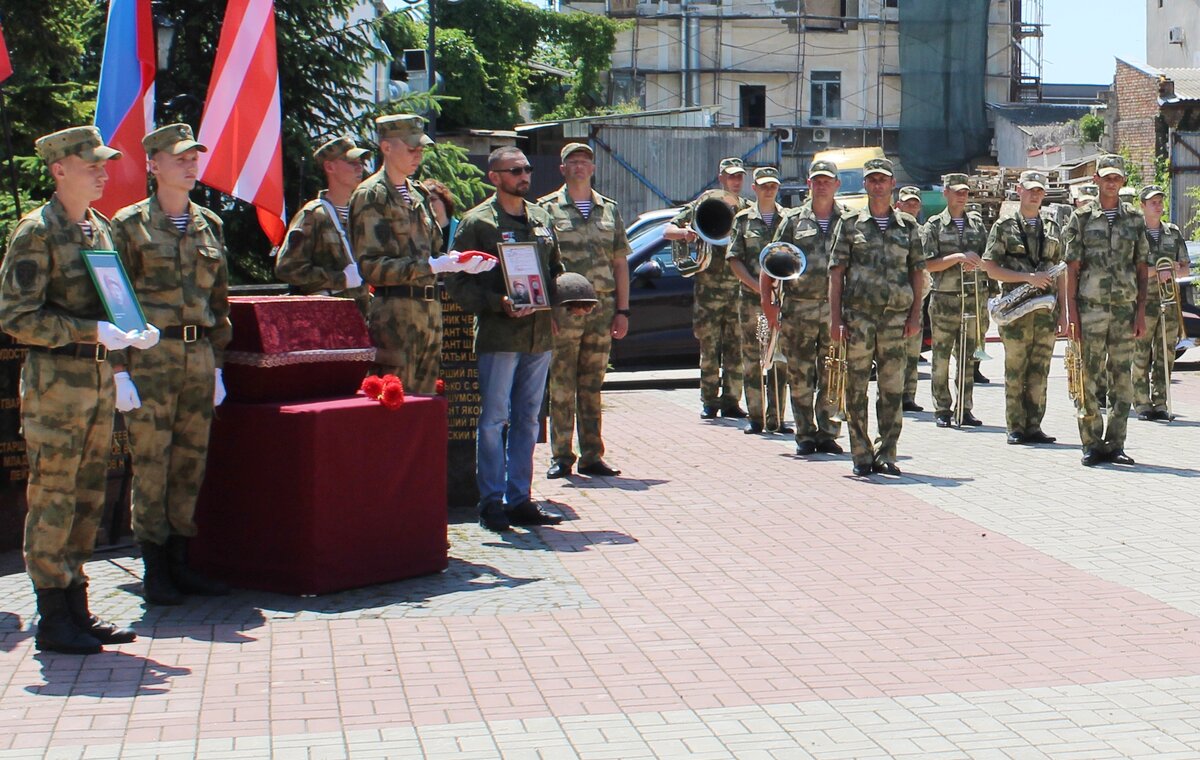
[
  {"x": 979, "y": 354},
  {"x": 1073, "y": 360},
  {"x": 1168, "y": 296}
]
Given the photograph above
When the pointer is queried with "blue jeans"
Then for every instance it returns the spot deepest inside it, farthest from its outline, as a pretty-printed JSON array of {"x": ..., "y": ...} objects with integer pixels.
[{"x": 511, "y": 387}]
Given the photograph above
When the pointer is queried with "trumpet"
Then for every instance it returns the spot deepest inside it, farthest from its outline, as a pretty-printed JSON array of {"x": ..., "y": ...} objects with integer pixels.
[
  {"x": 1074, "y": 364},
  {"x": 1168, "y": 296},
  {"x": 836, "y": 371}
]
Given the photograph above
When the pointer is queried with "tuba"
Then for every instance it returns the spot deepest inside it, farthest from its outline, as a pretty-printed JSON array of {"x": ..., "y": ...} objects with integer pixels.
[
  {"x": 1023, "y": 299},
  {"x": 712, "y": 221}
]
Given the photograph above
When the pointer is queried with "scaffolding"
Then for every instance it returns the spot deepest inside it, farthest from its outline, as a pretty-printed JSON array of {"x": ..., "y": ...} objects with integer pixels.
[{"x": 1026, "y": 82}]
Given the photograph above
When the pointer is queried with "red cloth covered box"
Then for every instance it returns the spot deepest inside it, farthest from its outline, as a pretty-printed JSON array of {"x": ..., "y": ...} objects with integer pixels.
[
  {"x": 323, "y": 496},
  {"x": 288, "y": 348}
]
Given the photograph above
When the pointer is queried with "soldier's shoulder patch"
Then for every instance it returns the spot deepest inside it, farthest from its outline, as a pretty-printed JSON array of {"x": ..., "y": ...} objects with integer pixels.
[{"x": 26, "y": 274}]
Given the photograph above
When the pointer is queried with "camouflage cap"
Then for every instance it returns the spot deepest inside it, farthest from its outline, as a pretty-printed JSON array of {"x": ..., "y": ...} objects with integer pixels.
[
  {"x": 340, "y": 147},
  {"x": 1127, "y": 193},
  {"x": 84, "y": 142},
  {"x": 1032, "y": 179},
  {"x": 407, "y": 126},
  {"x": 909, "y": 191},
  {"x": 1089, "y": 189},
  {"x": 822, "y": 168},
  {"x": 974, "y": 208},
  {"x": 575, "y": 147},
  {"x": 1110, "y": 164},
  {"x": 877, "y": 166},
  {"x": 732, "y": 166},
  {"x": 766, "y": 174},
  {"x": 956, "y": 182},
  {"x": 173, "y": 138},
  {"x": 1149, "y": 191}
]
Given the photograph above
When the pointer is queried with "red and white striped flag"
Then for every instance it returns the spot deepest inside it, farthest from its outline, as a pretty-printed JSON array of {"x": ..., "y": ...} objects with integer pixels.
[{"x": 241, "y": 124}]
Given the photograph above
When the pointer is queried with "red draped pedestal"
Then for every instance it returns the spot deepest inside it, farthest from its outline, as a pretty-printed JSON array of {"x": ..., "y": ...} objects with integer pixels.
[{"x": 316, "y": 497}]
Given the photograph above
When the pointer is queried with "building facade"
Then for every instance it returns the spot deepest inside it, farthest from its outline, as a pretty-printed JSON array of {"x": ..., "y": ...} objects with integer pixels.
[{"x": 1173, "y": 33}]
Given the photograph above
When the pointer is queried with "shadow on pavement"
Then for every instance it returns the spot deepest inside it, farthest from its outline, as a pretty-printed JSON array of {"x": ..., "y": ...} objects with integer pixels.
[
  {"x": 110, "y": 674},
  {"x": 616, "y": 481},
  {"x": 10, "y": 631}
]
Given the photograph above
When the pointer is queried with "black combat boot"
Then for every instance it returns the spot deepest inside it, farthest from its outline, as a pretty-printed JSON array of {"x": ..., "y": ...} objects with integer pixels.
[
  {"x": 186, "y": 579},
  {"x": 157, "y": 586},
  {"x": 101, "y": 630},
  {"x": 56, "y": 631}
]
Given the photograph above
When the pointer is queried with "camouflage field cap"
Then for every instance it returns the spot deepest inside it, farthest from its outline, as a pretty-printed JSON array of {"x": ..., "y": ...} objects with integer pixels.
[
  {"x": 575, "y": 147},
  {"x": 766, "y": 174},
  {"x": 1127, "y": 193},
  {"x": 1089, "y": 190},
  {"x": 1110, "y": 164},
  {"x": 340, "y": 147},
  {"x": 974, "y": 208},
  {"x": 877, "y": 166},
  {"x": 822, "y": 168},
  {"x": 732, "y": 166},
  {"x": 173, "y": 138},
  {"x": 956, "y": 182},
  {"x": 84, "y": 142},
  {"x": 909, "y": 192},
  {"x": 407, "y": 126},
  {"x": 1149, "y": 191},
  {"x": 1032, "y": 179}
]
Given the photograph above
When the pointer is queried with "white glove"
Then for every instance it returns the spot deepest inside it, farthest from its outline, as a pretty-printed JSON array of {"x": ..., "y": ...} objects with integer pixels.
[
  {"x": 112, "y": 337},
  {"x": 353, "y": 278},
  {"x": 218, "y": 388},
  {"x": 147, "y": 338},
  {"x": 444, "y": 264},
  {"x": 475, "y": 266},
  {"x": 127, "y": 395}
]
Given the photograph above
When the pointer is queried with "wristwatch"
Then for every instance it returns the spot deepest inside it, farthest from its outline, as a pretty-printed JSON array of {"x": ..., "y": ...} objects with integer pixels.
[{"x": 623, "y": 312}]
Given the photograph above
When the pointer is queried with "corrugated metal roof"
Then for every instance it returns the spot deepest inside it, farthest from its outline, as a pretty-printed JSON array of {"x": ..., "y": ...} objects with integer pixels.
[
  {"x": 1187, "y": 83},
  {"x": 1038, "y": 114},
  {"x": 695, "y": 116}
]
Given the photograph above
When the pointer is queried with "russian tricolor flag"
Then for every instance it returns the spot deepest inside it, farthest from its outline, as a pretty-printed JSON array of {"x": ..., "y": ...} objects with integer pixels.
[{"x": 125, "y": 101}]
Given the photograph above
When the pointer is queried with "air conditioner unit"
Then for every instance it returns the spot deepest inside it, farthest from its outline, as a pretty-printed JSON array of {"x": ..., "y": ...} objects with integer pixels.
[
  {"x": 1175, "y": 35},
  {"x": 820, "y": 134},
  {"x": 787, "y": 136}
]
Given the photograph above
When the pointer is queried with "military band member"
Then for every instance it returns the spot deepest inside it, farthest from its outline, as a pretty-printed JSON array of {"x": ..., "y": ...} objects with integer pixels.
[
  {"x": 1084, "y": 194},
  {"x": 1020, "y": 246},
  {"x": 875, "y": 286},
  {"x": 591, "y": 242},
  {"x": 954, "y": 241},
  {"x": 316, "y": 257},
  {"x": 753, "y": 228},
  {"x": 715, "y": 313},
  {"x": 174, "y": 252},
  {"x": 1152, "y": 364},
  {"x": 1107, "y": 257},
  {"x": 908, "y": 200},
  {"x": 804, "y": 314},
  {"x": 48, "y": 302}
]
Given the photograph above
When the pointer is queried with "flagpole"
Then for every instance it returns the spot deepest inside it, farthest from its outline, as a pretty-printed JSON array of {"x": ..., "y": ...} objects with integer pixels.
[{"x": 12, "y": 157}]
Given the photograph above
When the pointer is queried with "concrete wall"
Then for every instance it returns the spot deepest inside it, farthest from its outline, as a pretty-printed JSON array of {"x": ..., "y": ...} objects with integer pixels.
[{"x": 1161, "y": 16}]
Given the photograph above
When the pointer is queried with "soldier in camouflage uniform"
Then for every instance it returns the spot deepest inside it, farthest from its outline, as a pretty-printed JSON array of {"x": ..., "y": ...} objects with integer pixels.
[
  {"x": 395, "y": 235},
  {"x": 876, "y": 273},
  {"x": 48, "y": 302},
  {"x": 1151, "y": 364},
  {"x": 804, "y": 312},
  {"x": 1107, "y": 257},
  {"x": 715, "y": 314},
  {"x": 908, "y": 200},
  {"x": 1020, "y": 245},
  {"x": 174, "y": 252},
  {"x": 753, "y": 228},
  {"x": 954, "y": 241},
  {"x": 316, "y": 258},
  {"x": 592, "y": 242}
]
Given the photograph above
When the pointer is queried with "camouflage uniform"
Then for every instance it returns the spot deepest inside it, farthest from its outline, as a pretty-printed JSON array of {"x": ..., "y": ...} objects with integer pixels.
[
  {"x": 182, "y": 282},
  {"x": 1149, "y": 379},
  {"x": 48, "y": 300},
  {"x": 715, "y": 321},
  {"x": 1106, "y": 295},
  {"x": 592, "y": 247},
  {"x": 394, "y": 240},
  {"x": 947, "y": 306},
  {"x": 313, "y": 255},
  {"x": 1028, "y": 341},
  {"x": 805, "y": 318},
  {"x": 750, "y": 233},
  {"x": 876, "y": 299}
]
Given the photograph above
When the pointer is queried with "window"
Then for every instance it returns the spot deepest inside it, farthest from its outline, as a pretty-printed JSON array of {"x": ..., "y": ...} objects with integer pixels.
[
  {"x": 754, "y": 105},
  {"x": 826, "y": 97}
]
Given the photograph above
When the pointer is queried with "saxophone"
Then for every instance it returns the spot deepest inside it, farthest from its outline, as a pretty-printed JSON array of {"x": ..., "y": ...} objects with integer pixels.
[{"x": 1023, "y": 299}]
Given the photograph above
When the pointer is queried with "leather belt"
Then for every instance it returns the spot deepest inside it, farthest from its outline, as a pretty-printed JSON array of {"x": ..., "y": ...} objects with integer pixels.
[
  {"x": 95, "y": 351},
  {"x": 186, "y": 333},
  {"x": 424, "y": 293}
]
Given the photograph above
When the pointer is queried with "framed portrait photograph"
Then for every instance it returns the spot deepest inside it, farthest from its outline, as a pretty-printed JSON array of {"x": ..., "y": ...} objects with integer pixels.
[
  {"x": 116, "y": 293},
  {"x": 524, "y": 279}
]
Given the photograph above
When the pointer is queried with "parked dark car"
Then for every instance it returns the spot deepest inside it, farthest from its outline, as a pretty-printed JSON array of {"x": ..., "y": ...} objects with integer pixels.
[
  {"x": 660, "y": 299},
  {"x": 648, "y": 220}
]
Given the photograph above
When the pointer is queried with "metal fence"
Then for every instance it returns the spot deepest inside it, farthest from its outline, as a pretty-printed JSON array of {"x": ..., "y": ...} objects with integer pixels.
[{"x": 1185, "y": 174}]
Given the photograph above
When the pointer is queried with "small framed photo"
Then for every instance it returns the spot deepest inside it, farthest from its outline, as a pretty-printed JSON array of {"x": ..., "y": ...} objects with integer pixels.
[
  {"x": 116, "y": 293},
  {"x": 523, "y": 276}
]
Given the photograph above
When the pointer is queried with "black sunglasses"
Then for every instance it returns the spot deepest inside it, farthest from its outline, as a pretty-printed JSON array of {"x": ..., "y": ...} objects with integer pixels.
[{"x": 516, "y": 171}]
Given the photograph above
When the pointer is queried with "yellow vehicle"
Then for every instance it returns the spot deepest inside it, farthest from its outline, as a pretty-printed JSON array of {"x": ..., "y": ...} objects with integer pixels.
[{"x": 850, "y": 163}]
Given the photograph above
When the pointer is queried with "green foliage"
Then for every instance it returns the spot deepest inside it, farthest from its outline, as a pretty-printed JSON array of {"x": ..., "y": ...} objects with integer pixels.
[
  {"x": 448, "y": 163},
  {"x": 1091, "y": 127}
]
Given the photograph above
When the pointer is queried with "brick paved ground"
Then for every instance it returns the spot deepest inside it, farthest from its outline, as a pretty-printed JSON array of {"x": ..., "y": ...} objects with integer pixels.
[{"x": 720, "y": 599}]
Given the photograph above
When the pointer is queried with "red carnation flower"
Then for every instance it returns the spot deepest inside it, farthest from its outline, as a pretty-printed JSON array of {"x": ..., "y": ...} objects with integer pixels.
[
  {"x": 440, "y": 387},
  {"x": 390, "y": 379},
  {"x": 372, "y": 386},
  {"x": 392, "y": 396}
]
